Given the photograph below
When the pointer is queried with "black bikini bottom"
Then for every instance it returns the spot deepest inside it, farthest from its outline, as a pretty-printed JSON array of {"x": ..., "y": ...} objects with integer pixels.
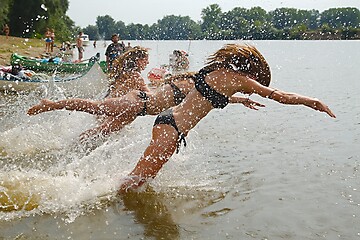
[{"x": 167, "y": 117}]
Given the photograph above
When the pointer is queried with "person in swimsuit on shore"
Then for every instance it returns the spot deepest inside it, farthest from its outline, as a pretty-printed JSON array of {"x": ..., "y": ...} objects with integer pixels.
[
  {"x": 47, "y": 40},
  {"x": 6, "y": 30},
  {"x": 136, "y": 103},
  {"x": 79, "y": 46},
  {"x": 233, "y": 68}
]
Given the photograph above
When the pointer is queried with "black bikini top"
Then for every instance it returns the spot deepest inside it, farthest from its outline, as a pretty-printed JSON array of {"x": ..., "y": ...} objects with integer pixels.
[
  {"x": 216, "y": 99},
  {"x": 178, "y": 95}
]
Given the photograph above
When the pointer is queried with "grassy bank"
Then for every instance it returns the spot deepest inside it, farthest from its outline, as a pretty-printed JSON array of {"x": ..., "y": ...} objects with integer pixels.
[{"x": 23, "y": 46}]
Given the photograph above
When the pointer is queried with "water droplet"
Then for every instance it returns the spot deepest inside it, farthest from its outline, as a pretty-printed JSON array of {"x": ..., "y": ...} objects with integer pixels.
[{"x": 43, "y": 7}]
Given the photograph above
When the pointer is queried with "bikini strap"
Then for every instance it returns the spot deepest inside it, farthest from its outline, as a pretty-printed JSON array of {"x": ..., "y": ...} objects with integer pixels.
[
  {"x": 142, "y": 95},
  {"x": 178, "y": 95},
  {"x": 181, "y": 139}
]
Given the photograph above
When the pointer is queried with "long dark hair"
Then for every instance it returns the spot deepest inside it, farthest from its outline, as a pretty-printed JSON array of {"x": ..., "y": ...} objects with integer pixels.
[{"x": 242, "y": 58}]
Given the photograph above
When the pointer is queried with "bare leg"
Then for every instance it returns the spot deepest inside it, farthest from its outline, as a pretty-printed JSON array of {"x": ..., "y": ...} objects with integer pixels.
[
  {"x": 161, "y": 148},
  {"x": 111, "y": 124},
  {"x": 83, "y": 105},
  {"x": 109, "y": 107}
]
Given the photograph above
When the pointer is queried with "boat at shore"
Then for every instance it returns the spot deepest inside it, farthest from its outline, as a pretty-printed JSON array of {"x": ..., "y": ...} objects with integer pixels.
[
  {"x": 85, "y": 39},
  {"x": 89, "y": 85},
  {"x": 54, "y": 64}
]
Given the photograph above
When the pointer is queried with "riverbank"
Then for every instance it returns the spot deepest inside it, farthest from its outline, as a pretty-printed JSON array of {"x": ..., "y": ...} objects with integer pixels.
[{"x": 29, "y": 47}]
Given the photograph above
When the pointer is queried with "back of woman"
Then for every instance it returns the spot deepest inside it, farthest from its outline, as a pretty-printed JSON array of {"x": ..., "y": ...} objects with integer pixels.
[
  {"x": 128, "y": 82},
  {"x": 125, "y": 74},
  {"x": 171, "y": 93}
]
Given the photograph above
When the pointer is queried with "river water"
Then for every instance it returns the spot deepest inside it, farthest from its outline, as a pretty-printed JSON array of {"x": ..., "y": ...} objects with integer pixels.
[{"x": 282, "y": 172}]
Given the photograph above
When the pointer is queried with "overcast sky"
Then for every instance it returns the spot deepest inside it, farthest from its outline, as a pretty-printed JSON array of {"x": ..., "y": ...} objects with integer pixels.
[{"x": 84, "y": 13}]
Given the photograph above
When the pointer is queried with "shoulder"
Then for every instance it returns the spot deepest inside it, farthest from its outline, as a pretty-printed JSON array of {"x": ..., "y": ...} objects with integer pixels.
[
  {"x": 137, "y": 78},
  {"x": 108, "y": 48},
  {"x": 136, "y": 75}
]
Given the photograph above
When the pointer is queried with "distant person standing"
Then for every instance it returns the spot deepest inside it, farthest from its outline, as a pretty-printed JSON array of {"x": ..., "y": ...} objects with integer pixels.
[
  {"x": 114, "y": 50},
  {"x": 6, "y": 30},
  {"x": 94, "y": 44},
  {"x": 47, "y": 40},
  {"x": 52, "y": 37},
  {"x": 79, "y": 45},
  {"x": 128, "y": 47}
]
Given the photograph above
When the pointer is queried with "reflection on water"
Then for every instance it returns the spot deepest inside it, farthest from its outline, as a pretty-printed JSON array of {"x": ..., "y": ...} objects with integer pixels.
[
  {"x": 175, "y": 214},
  {"x": 150, "y": 210}
]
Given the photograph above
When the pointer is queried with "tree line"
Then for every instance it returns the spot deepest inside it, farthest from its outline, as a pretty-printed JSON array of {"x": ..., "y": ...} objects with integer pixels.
[{"x": 30, "y": 18}]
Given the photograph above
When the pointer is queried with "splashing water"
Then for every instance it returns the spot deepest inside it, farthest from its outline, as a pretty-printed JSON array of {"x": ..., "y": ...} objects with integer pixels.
[{"x": 44, "y": 168}]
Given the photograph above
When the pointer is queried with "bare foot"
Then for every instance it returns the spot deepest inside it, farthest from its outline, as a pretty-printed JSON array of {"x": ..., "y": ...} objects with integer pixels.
[
  {"x": 43, "y": 106},
  {"x": 130, "y": 183}
]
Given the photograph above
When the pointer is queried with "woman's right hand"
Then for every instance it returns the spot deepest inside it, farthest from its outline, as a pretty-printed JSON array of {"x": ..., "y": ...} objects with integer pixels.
[
  {"x": 252, "y": 104},
  {"x": 320, "y": 106}
]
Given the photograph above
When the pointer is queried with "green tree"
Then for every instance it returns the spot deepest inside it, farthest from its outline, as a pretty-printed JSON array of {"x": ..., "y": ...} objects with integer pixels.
[
  {"x": 4, "y": 12},
  {"x": 257, "y": 14},
  {"x": 234, "y": 25},
  {"x": 58, "y": 20},
  {"x": 341, "y": 17},
  {"x": 283, "y": 18},
  {"x": 177, "y": 28},
  {"x": 211, "y": 17},
  {"x": 121, "y": 29},
  {"x": 92, "y": 31},
  {"x": 27, "y": 17},
  {"x": 30, "y": 18},
  {"x": 307, "y": 18},
  {"x": 106, "y": 26},
  {"x": 137, "y": 31}
]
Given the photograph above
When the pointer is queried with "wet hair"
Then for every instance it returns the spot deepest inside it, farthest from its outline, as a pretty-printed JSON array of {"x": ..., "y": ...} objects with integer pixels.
[
  {"x": 127, "y": 62},
  {"x": 242, "y": 58}
]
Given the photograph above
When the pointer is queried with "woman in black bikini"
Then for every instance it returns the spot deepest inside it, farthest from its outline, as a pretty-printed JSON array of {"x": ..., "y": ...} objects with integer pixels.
[
  {"x": 234, "y": 68},
  {"x": 136, "y": 103}
]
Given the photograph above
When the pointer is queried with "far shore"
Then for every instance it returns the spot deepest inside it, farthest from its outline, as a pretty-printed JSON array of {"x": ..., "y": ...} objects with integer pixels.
[{"x": 29, "y": 47}]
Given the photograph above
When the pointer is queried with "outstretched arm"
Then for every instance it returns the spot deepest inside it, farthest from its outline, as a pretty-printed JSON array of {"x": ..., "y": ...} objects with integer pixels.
[
  {"x": 296, "y": 99},
  {"x": 246, "y": 101},
  {"x": 251, "y": 86}
]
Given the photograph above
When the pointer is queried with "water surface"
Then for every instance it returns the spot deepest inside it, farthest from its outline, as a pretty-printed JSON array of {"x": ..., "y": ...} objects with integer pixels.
[{"x": 283, "y": 172}]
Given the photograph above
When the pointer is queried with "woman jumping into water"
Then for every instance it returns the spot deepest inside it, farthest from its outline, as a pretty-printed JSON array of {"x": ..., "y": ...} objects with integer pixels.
[
  {"x": 233, "y": 68},
  {"x": 127, "y": 108},
  {"x": 125, "y": 77}
]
